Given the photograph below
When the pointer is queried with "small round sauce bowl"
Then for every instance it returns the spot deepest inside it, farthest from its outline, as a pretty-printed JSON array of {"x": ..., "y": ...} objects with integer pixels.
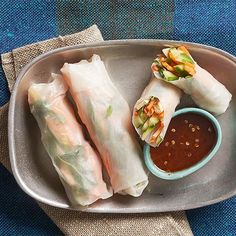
[{"x": 182, "y": 173}]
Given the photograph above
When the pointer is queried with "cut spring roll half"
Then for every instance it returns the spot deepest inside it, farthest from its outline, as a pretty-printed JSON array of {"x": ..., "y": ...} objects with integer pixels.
[
  {"x": 177, "y": 67},
  {"x": 153, "y": 111},
  {"x": 77, "y": 164},
  {"x": 107, "y": 117}
]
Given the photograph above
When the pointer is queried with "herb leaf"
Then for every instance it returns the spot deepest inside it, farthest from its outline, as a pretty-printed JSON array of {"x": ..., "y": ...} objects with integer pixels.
[{"x": 109, "y": 111}]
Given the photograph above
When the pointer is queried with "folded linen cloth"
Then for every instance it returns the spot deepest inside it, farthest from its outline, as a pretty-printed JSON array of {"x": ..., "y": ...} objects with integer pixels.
[{"x": 75, "y": 222}]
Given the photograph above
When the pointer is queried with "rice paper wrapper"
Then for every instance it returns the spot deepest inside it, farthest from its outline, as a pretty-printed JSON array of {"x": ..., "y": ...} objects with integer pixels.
[
  {"x": 107, "y": 117},
  {"x": 207, "y": 92},
  {"x": 169, "y": 97},
  {"x": 77, "y": 164}
]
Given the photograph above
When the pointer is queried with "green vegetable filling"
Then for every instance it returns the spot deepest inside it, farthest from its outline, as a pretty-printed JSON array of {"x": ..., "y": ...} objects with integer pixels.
[
  {"x": 174, "y": 64},
  {"x": 109, "y": 111},
  {"x": 148, "y": 118}
]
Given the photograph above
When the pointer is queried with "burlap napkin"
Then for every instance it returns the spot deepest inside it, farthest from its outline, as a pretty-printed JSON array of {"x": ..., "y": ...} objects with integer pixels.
[{"x": 74, "y": 222}]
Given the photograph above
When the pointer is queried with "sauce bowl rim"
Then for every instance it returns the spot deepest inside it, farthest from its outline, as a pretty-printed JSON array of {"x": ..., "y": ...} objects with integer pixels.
[{"x": 182, "y": 173}]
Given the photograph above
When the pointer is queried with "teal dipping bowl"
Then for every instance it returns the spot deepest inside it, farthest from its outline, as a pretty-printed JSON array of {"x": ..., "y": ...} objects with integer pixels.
[{"x": 180, "y": 174}]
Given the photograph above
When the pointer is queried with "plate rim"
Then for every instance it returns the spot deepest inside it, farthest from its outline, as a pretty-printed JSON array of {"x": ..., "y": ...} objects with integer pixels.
[{"x": 122, "y": 42}]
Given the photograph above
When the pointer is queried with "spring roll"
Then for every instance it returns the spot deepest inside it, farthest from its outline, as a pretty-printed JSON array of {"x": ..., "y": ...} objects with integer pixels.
[
  {"x": 107, "y": 117},
  {"x": 153, "y": 111},
  {"x": 178, "y": 67},
  {"x": 77, "y": 164}
]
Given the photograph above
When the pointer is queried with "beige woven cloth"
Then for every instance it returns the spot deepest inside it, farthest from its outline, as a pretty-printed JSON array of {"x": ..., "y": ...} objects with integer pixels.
[{"x": 74, "y": 222}]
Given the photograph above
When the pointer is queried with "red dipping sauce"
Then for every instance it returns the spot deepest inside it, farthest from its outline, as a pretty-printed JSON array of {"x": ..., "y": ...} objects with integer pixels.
[{"x": 189, "y": 138}]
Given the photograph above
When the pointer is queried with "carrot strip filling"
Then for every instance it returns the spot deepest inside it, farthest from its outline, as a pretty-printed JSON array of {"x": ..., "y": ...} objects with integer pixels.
[
  {"x": 176, "y": 63},
  {"x": 148, "y": 119}
]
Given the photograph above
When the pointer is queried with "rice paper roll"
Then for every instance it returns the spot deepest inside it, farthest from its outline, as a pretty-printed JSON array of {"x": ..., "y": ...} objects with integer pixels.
[
  {"x": 107, "y": 117},
  {"x": 77, "y": 164},
  {"x": 178, "y": 67},
  {"x": 153, "y": 111}
]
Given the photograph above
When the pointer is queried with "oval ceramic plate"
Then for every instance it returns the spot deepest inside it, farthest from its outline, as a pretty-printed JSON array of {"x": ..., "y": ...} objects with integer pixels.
[{"x": 128, "y": 63}]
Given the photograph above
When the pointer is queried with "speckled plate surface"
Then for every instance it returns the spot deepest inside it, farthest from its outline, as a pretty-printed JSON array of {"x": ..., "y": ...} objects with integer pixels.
[{"x": 128, "y": 62}]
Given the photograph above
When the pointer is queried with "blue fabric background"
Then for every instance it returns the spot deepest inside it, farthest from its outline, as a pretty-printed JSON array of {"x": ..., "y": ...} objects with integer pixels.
[
  {"x": 19, "y": 214},
  {"x": 211, "y": 22},
  {"x": 118, "y": 19}
]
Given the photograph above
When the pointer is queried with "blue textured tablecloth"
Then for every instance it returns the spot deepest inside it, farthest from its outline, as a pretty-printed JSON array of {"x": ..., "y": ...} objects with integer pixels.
[{"x": 211, "y": 22}]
